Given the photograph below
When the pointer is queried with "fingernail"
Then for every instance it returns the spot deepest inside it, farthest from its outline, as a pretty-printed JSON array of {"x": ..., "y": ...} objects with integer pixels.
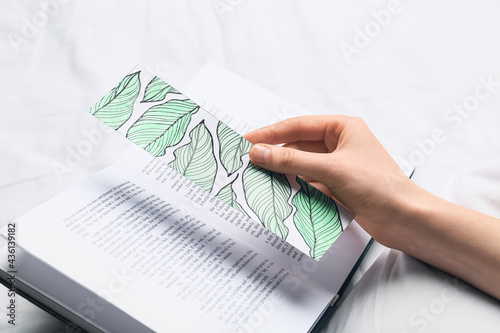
[{"x": 260, "y": 154}]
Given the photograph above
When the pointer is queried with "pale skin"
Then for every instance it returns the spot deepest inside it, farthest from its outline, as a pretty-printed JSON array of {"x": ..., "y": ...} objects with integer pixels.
[{"x": 341, "y": 156}]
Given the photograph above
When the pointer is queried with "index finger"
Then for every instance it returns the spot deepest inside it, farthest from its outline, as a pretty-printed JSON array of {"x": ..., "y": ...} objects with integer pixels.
[{"x": 304, "y": 128}]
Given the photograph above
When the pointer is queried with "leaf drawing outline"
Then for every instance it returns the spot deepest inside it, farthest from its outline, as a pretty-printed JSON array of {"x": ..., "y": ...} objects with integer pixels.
[
  {"x": 116, "y": 107},
  {"x": 267, "y": 194},
  {"x": 227, "y": 195},
  {"x": 157, "y": 90},
  {"x": 317, "y": 218},
  {"x": 162, "y": 126},
  {"x": 196, "y": 160},
  {"x": 232, "y": 147}
]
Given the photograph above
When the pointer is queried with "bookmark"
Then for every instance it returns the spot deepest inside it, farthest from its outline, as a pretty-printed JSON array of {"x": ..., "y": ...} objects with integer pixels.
[{"x": 168, "y": 125}]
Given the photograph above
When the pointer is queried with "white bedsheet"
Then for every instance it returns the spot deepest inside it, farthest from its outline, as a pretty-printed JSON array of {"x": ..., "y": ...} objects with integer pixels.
[{"x": 425, "y": 76}]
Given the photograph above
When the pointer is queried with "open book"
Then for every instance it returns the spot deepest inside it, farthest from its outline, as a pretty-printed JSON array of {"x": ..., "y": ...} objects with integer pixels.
[{"x": 154, "y": 243}]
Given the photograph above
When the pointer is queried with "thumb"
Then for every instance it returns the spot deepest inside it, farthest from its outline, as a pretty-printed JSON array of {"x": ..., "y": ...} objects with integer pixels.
[{"x": 288, "y": 160}]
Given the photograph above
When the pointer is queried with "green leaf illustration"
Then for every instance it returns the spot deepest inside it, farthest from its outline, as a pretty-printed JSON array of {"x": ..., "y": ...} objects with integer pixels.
[
  {"x": 232, "y": 147},
  {"x": 162, "y": 126},
  {"x": 156, "y": 90},
  {"x": 116, "y": 107},
  {"x": 267, "y": 194},
  {"x": 227, "y": 195},
  {"x": 196, "y": 159},
  {"x": 316, "y": 218}
]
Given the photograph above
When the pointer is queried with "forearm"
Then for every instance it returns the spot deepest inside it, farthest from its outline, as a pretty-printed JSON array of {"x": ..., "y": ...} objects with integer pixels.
[{"x": 455, "y": 239}]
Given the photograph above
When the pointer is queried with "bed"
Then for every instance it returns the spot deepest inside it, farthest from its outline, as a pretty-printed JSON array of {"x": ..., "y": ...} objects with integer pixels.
[{"x": 424, "y": 75}]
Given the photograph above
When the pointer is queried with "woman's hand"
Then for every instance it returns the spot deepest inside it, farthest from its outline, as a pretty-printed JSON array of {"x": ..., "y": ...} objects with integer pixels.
[{"x": 340, "y": 156}]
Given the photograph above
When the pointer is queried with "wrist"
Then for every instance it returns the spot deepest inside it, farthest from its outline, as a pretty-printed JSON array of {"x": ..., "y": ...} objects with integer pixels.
[
  {"x": 426, "y": 227},
  {"x": 406, "y": 220}
]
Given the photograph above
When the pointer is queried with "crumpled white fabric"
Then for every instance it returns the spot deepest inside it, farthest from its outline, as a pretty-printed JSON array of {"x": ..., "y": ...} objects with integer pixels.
[
  {"x": 401, "y": 294},
  {"x": 428, "y": 58}
]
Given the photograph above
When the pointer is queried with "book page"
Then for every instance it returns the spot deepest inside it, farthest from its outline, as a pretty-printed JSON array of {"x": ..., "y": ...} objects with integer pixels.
[
  {"x": 157, "y": 173},
  {"x": 144, "y": 248},
  {"x": 245, "y": 106},
  {"x": 237, "y": 102}
]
